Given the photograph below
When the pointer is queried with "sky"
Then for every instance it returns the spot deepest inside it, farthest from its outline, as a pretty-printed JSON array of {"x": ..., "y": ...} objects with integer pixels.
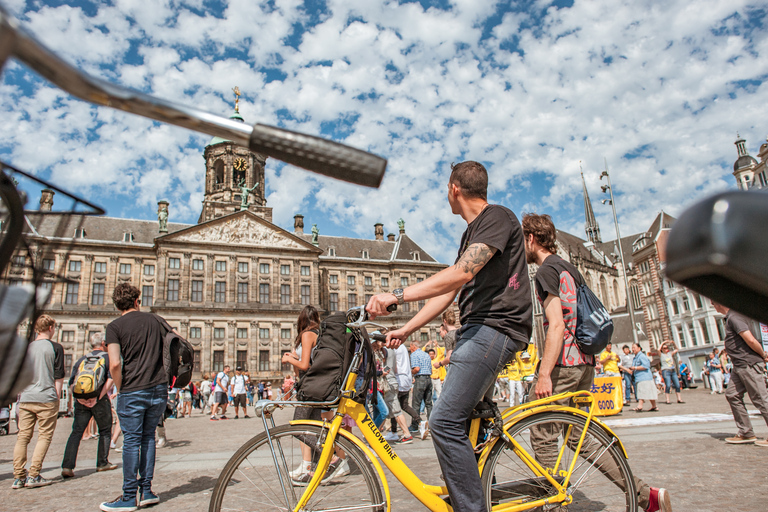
[{"x": 535, "y": 90}]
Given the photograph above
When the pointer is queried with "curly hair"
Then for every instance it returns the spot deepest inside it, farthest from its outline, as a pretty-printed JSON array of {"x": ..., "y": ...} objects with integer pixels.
[
  {"x": 125, "y": 296},
  {"x": 44, "y": 323},
  {"x": 543, "y": 230}
]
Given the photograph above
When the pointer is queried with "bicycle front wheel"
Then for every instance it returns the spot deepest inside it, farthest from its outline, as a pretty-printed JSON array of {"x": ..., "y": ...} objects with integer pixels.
[
  {"x": 601, "y": 478},
  {"x": 251, "y": 481}
]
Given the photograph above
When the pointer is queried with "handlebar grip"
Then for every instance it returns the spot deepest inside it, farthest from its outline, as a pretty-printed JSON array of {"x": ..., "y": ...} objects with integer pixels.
[
  {"x": 392, "y": 308},
  {"x": 319, "y": 155},
  {"x": 378, "y": 337}
]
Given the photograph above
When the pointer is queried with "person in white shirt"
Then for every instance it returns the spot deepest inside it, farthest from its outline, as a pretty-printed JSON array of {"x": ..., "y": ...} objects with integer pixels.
[
  {"x": 238, "y": 389},
  {"x": 220, "y": 395},
  {"x": 404, "y": 385}
]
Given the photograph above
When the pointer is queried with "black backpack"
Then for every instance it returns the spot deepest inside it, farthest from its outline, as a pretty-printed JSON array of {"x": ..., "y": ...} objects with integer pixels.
[
  {"x": 178, "y": 357},
  {"x": 594, "y": 326},
  {"x": 330, "y": 361}
]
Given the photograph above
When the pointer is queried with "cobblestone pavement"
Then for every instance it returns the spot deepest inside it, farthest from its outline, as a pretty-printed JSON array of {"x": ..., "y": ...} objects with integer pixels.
[{"x": 690, "y": 459}]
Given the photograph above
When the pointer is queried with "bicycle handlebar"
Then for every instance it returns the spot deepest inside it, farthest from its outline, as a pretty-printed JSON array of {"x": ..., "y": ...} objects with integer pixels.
[{"x": 312, "y": 153}]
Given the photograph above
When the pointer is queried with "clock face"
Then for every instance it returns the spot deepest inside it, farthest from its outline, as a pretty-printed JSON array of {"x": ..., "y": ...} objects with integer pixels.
[{"x": 241, "y": 164}]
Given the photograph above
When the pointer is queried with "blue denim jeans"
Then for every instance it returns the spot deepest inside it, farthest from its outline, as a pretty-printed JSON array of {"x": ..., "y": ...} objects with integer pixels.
[
  {"x": 628, "y": 386},
  {"x": 670, "y": 380},
  {"x": 380, "y": 410},
  {"x": 480, "y": 354},
  {"x": 140, "y": 412}
]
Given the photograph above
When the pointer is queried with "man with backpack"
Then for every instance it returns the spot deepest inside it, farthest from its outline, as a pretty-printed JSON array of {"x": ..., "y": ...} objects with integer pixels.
[
  {"x": 239, "y": 391},
  {"x": 135, "y": 348},
  {"x": 220, "y": 397},
  {"x": 89, "y": 386},
  {"x": 564, "y": 367},
  {"x": 491, "y": 278},
  {"x": 39, "y": 403}
]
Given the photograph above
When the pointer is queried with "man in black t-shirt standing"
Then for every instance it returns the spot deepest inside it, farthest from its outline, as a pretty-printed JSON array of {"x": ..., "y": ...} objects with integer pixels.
[
  {"x": 490, "y": 277},
  {"x": 136, "y": 339},
  {"x": 747, "y": 376},
  {"x": 564, "y": 367}
]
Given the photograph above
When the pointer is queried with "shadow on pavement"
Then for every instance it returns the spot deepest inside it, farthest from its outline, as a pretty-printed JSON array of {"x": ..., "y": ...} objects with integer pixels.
[{"x": 201, "y": 483}]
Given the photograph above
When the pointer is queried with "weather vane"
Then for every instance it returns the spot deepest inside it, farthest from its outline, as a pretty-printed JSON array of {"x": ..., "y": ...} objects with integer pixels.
[{"x": 236, "y": 90}]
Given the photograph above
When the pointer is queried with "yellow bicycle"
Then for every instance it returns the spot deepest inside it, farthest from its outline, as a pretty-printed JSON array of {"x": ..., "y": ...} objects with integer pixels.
[{"x": 550, "y": 457}]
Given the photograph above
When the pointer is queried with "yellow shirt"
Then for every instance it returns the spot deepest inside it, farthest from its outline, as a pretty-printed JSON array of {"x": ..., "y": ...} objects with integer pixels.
[
  {"x": 610, "y": 365},
  {"x": 438, "y": 373}
]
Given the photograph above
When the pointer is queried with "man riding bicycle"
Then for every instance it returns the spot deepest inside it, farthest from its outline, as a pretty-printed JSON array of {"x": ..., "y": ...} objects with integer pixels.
[{"x": 491, "y": 277}]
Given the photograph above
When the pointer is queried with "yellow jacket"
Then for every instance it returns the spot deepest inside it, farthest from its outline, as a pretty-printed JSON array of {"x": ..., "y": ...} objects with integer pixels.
[
  {"x": 437, "y": 373},
  {"x": 518, "y": 369}
]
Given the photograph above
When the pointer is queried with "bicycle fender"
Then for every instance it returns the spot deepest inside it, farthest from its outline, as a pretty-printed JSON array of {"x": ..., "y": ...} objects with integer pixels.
[
  {"x": 367, "y": 451},
  {"x": 559, "y": 408}
]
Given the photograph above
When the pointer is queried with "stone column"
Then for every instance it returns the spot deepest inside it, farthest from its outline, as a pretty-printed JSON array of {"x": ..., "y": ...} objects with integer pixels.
[
  {"x": 85, "y": 281},
  {"x": 186, "y": 281},
  {"x": 253, "y": 349},
  {"x": 161, "y": 281},
  {"x": 81, "y": 341},
  {"x": 231, "y": 344},
  {"x": 231, "y": 281},
  {"x": 209, "y": 280}
]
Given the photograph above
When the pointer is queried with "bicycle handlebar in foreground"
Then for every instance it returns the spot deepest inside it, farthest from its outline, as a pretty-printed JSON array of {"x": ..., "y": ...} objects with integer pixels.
[{"x": 309, "y": 152}]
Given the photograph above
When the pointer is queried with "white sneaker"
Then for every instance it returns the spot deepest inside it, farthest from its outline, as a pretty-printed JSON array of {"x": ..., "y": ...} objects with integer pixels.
[
  {"x": 391, "y": 436},
  {"x": 342, "y": 470},
  {"x": 423, "y": 430},
  {"x": 303, "y": 469}
]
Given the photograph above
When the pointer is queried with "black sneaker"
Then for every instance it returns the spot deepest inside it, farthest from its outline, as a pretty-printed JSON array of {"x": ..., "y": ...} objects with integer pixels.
[
  {"x": 246, "y": 416},
  {"x": 237, "y": 417},
  {"x": 406, "y": 440},
  {"x": 37, "y": 481}
]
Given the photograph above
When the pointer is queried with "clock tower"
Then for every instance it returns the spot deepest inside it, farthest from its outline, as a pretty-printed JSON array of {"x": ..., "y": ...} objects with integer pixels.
[{"x": 234, "y": 177}]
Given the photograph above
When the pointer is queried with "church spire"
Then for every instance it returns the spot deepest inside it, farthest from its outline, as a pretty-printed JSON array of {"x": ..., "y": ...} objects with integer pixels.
[{"x": 590, "y": 225}]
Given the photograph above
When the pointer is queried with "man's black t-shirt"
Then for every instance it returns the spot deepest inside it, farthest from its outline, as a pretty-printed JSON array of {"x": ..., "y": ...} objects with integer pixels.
[
  {"x": 140, "y": 336},
  {"x": 740, "y": 353},
  {"x": 499, "y": 296}
]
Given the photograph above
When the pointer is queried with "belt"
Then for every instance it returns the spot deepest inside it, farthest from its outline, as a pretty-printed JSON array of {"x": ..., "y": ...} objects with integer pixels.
[{"x": 430, "y": 375}]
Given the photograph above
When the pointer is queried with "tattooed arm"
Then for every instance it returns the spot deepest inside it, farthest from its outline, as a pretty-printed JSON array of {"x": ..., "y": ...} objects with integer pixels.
[{"x": 443, "y": 284}]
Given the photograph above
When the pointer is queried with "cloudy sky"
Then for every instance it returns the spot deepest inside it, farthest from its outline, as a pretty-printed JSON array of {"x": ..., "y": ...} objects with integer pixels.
[{"x": 531, "y": 89}]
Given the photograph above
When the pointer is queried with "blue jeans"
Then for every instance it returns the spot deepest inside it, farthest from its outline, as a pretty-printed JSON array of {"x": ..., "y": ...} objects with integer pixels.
[
  {"x": 380, "y": 410},
  {"x": 480, "y": 354},
  {"x": 140, "y": 412},
  {"x": 628, "y": 385},
  {"x": 670, "y": 379}
]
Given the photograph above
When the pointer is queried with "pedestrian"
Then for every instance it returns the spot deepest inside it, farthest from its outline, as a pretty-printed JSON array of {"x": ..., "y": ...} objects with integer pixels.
[
  {"x": 205, "y": 393},
  {"x": 564, "y": 367},
  {"x": 643, "y": 377},
  {"x": 38, "y": 404},
  {"x": 438, "y": 373},
  {"x": 135, "y": 347},
  {"x": 490, "y": 277},
  {"x": 448, "y": 332},
  {"x": 261, "y": 390},
  {"x": 727, "y": 366},
  {"x": 715, "y": 373},
  {"x": 221, "y": 398},
  {"x": 404, "y": 386},
  {"x": 625, "y": 361},
  {"x": 96, "y": 408},
  {"x": 747, "y": 375},
  {"x": 421, "y": 368},
  {"x": 116, "y": 430},
  {"x": 391, "y": 391},
  {"x": 239, "y": 392},
  {"x": 669, "y": 372},
  {"x": 609, "y": 361},
  {"x": 185, "y": 400}
]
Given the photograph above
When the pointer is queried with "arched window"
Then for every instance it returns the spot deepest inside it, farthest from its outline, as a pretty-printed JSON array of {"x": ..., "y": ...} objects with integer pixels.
[
  {"x": 604, "y": 292},
  {"x": 218, "y": 172},
  {"x": 590, "y": 284},
  {"x": 616, "y": 291},
  {"x": 634, "y": 292}
]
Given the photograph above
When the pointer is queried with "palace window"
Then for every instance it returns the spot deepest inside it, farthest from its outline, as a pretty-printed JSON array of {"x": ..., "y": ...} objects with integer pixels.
[
  {"x": 49, "y": 264},
  {"x": 242, "y": 292},
  {"x": 125, "y": 268},
  {"x": 72, "y": 291},
  {"x": 385, "y": 282},
  {"x": 219, "y": 333},
  {"x": 173, "y": 290},
  {"x": 264, "y": 333},
  {"x": 74, "y": 265},
  {"x": 242, "y": 267},
  {"x": 174, "y": 263},
  {"x": 350, "y": 280},
  {"x": 221, "y": 266},
  {"x": 333, "y": 279},
  {"x": 241, "y": 360},
  {"x": 220, "y": 291},
  {"x": 242, "y": 333},
  {"x": 368, "y": 281},
  {"x": 100, "y": 267},
  {"x": 147, "y": 296},
  {"x": 149, "y": 270},
  {"x": 334, "y": 302},
  {"x": 97, "y": 295},
  {"x": 218, "y": 360},
  {"x": 197, "y": 292},
  {"x": 198, "y": 264},
  {"x": 263, "y": 360},
  {"x": 264, "y": 268},
  {"x": 351, "y": 300},
  {"x": 264, "y": 293},
  {"x": 285, "y": 294},
  {"x": 285, "y": 270},
  {"x": 305, "y": 294},
  {"x": 195, "y": 332},
  {"x": 285, "y": 334},
  {"x": 305, "y": 270}
]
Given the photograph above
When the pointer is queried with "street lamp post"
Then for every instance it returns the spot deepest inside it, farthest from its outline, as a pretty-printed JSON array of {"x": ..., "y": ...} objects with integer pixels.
[{"x": 609, "y": 188}]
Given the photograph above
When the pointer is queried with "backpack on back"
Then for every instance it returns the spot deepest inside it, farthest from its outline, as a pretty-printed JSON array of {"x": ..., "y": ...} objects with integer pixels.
[
  {"x": 594, "y": 326},
  {"x": 330, "y": 361},
  {"x": 178, "y": 357},
  {"x": 91, "y": 376}
]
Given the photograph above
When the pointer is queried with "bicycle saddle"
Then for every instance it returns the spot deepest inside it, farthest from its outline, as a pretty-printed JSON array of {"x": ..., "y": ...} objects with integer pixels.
[{"x": 719, "y": 248}]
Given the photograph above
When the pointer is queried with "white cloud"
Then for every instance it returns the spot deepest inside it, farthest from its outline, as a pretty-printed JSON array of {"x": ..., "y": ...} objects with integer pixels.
[{"x": 546, "y": 89}]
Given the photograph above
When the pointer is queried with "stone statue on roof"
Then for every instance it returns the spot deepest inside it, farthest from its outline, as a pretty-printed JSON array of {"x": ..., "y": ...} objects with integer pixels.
[
  {"x": 315, "y": 234},
  {"x": 401, "y": 224},
  {"x": 162, "y": 216},
  {"x": 244, "y": 191}
]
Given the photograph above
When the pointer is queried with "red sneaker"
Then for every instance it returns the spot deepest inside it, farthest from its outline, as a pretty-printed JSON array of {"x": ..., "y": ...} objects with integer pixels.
[{"x": 658, "y": 501}]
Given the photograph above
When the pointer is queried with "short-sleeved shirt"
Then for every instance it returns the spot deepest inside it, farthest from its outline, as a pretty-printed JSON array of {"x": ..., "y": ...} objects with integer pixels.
[
  {"x": 77, "y": 363},
  {"x": 667, "y": 361},
  {"x": 712, "y": 364},
  {"x": 47, "y": 358},
  {"x": 404, "y": 377},
  {"x": 560, "y": 278},
  {"x": 222, "y": 382},
  {"x": 499, "y": 296},
  {"x": 610, "y": 365},
  {"x": 450, "y": 340},
  {"x": 140, "y": 336},
  {"x": 238, "y": 383},
  {"x": 740, "y": 353},
  {"x": 421, "y": 359}
]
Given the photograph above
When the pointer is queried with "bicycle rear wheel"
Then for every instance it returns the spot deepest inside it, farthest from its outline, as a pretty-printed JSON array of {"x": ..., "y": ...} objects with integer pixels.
[
  {"x": 250, "y": 481},
  {"x": 601, "y": 479}
]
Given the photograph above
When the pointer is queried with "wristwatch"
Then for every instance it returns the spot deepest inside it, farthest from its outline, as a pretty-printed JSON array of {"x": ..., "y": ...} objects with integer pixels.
[{"x": 398, "y": 293}]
